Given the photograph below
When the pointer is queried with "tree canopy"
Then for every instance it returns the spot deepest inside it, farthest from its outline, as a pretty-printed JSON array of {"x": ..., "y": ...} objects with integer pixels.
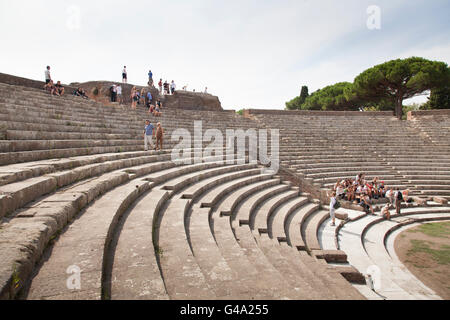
[
  {"x": 297, "y": 102},
  {"x": 331, "y": 98},
  {"x": 400, "y": 79},
  {"x": 384, "y": 87}
]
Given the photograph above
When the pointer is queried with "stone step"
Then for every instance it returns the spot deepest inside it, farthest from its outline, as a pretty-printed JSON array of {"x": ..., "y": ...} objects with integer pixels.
[
  {"x": 276, "y": 222},
  {"x": 260, "y": 216},
  {"x": 286, "y": 267},
  {"x": 294, "y": 224},
  {"x": 87, "y": 238},
  {"x": 134, "y": 272}
]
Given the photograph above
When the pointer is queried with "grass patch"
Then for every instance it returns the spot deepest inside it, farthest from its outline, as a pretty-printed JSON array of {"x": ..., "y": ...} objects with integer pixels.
[
  {"x": 438, "y": 230},
  {"x": 441, "y": 255}
]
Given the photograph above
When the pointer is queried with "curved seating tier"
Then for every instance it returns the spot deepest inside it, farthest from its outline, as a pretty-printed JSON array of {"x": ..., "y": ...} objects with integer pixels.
[
  {"x": 368, "y": 240},
  {"x": 405, "y": 154}
]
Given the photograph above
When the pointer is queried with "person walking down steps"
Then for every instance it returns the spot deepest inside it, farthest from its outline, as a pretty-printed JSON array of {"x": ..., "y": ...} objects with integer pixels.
[
  {"x": 159, "y": 136},
  {"x": 334, "y": 204},
  {"x": 148, "y": 135}
]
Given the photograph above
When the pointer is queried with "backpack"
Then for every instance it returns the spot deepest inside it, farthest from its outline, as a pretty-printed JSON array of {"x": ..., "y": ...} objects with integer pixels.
[{"x": 337, "y": 205}]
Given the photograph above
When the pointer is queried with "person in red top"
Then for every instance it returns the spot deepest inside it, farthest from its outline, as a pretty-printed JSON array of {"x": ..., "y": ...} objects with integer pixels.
[{"x": 160, "y": 85}]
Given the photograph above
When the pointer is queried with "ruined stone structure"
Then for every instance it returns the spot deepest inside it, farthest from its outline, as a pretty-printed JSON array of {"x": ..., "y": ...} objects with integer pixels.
[{"x": 87, "y": 214}]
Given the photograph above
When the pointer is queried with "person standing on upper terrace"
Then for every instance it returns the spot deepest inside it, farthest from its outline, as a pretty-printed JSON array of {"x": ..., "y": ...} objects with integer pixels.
[
  {"x": 150, "y": 78},
  {"x": 173, "y": 87},
  {"x": 124, "y": 75},
  {"x": 48, "y": 78},
  {"x": 119, "y": 93}
]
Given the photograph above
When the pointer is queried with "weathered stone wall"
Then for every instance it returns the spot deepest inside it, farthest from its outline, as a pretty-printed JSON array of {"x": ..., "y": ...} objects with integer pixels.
[
  {"x": 99, "y": 91},
  {"x": 429, "y": 114},
  {"x": 249, "y": 112},
  {"x": 18, "y": 81}
]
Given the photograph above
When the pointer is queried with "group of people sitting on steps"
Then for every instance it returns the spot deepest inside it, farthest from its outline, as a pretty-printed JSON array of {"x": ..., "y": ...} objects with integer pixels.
[
  {"x": 54, "y": 89},
  {"x": 58, "y": 89},
  {"x": 146, "y": 98},
  {"x": 360, "y": 191}
]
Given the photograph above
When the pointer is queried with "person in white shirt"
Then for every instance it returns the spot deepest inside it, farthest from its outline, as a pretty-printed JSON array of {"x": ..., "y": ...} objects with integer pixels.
[
  {"x": 172, "y": 87},
  {"x": 206, "y": 89},
  {"x": 390, "y": 196},
  {"x": 119, "y": 93},
  {"x": 48, "y": 78},
  {"x": 332, "y": 210},
  {"x": 124, "y": 75}
]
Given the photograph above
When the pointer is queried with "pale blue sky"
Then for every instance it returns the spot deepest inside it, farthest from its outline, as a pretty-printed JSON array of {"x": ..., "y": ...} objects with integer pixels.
[{"x": 252, "y": 54}]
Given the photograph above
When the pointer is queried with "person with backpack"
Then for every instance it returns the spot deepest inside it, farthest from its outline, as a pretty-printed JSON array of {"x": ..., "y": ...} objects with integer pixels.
[
  {"x": 398, "y": 201},
  {"x": 150, "y": 78},
  {"x": 334, "y": 205},
  {"x": 113, "y": 91}
]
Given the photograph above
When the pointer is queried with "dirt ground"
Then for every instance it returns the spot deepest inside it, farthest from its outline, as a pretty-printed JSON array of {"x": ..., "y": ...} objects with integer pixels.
[{"x": 425, "y": 251}]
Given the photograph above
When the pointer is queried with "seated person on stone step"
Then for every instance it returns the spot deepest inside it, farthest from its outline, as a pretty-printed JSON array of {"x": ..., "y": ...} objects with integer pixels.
[
  {"x": 351, "y": 193},
  {"x": 157, "y": 112},
  {"x": 381, "y": 190},
  {"x": 385, "y": 213},
  {"x": 369, "y": 189},
  {"x": 366, "y": 203},
  {"x": 406, "y": 197},
  {"x": 80, "y": 93},
  {"x": 340, "y": 192},
  {"x": 50, "y": 88},
  {"x": 59, "y": 88},
  {"x": 151, "y": 109},
  {"x": 159, "y": 104},
  {"x": 336, "y": 185}
]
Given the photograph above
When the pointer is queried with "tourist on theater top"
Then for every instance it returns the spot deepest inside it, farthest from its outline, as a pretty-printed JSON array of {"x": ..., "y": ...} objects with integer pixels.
[
  {"x": 172, "y": 87},
  {"x": 124, "y": 75},
  {"x": 150, "y": 78},
  {"x": 48, "y": 77},
  {"x": 119, "y": 93},
  {"x": 166, "y": 87},
  {"x": 160, "y": 86},
  {"x": 59, "y": 88}
]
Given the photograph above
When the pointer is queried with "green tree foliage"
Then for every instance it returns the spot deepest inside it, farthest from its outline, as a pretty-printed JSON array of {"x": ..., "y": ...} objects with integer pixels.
[
  {"x": 439, "y": 98},
  {"x": 334, "y": 97},
  {"x": 400, "y": 79},
  {"x": 297, "y": 102}
]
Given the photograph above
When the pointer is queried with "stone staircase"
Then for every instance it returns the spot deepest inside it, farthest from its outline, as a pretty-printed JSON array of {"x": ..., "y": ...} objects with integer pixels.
[{"x": 77, "y": 191}]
